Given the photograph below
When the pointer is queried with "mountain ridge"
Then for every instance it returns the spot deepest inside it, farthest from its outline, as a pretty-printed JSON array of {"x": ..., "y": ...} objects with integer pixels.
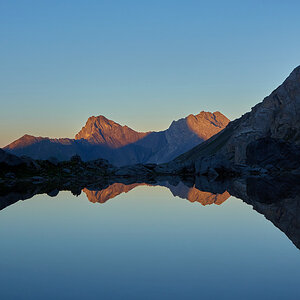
[{"x": 121, "y": 145}]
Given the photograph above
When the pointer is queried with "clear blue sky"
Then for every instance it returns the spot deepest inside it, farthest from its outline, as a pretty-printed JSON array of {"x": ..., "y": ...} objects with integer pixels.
[{"x": 140, "y": 63}]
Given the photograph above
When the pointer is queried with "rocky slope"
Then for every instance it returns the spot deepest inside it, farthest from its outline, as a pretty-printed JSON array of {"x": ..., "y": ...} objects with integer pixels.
[
  {"x": 121, "y": 145},
  {"x": 276, "y": 118}
]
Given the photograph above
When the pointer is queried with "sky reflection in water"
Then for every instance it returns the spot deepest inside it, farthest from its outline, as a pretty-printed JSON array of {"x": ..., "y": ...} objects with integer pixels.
[{"x": 145, "y": 244}]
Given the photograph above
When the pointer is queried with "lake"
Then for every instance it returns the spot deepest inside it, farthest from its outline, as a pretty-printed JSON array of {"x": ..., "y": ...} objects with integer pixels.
[{"x": 147, "y": 241}]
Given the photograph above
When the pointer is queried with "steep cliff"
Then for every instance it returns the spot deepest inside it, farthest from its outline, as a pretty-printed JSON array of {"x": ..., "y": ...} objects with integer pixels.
[{"x": 277, "y": 117}]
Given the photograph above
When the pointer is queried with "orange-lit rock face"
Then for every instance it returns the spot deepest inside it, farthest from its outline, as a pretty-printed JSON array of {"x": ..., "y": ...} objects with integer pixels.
[
  {"x": 110, "y": 192},
  {"x": 206, "y": 198},
  {"x": 100, "y": 130},
  {"x": 207, "y": 124},
  {"x": 24, "y": 141}
]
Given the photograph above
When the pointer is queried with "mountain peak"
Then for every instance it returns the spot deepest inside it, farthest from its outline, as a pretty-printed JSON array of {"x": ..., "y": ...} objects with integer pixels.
[
  {"x": 206, "y": 124},
  {"x": 23, "y": 141},
  {"x": 100, "y": 130}
]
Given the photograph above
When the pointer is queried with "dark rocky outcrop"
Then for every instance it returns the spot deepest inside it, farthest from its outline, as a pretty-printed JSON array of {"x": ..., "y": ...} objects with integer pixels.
[
  {"x": 12, "y": 163},
  {"x": 273, "y": 154},
  {"x": 72, "y": 172},
  {"x": 9, "y": 159}
]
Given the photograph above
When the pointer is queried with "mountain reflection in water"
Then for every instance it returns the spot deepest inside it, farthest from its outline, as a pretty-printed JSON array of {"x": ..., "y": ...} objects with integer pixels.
[
  {"x": 277, "y": 199},
  {"x": 181, "y": 190}
]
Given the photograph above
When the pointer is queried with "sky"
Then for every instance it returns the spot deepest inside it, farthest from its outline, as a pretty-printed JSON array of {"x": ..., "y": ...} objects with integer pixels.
[{"x": 139, "y": 63}]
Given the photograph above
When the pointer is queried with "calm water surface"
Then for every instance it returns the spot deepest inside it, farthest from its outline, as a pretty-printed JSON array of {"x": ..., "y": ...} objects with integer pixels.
[{"x": 144, "y": 244}]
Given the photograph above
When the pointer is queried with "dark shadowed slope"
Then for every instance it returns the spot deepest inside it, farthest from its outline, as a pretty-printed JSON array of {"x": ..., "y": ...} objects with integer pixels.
[
  {"x": 9, "y": 159},
  {"x": 45, "y": 148}
]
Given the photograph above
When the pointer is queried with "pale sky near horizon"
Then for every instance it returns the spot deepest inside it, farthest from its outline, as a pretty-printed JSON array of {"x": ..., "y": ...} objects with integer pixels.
[{"x": 139, "y": 63}]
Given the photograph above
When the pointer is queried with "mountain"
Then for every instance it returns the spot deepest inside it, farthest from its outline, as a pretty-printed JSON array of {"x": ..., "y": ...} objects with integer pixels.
[
  {"x": 183, "y": 135},
  {"x": 102, "y": 131},
  {"x": 45, "y": 148},
  {"x": 269, "y": 135},
  {"x": 121, "y": 145}
]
